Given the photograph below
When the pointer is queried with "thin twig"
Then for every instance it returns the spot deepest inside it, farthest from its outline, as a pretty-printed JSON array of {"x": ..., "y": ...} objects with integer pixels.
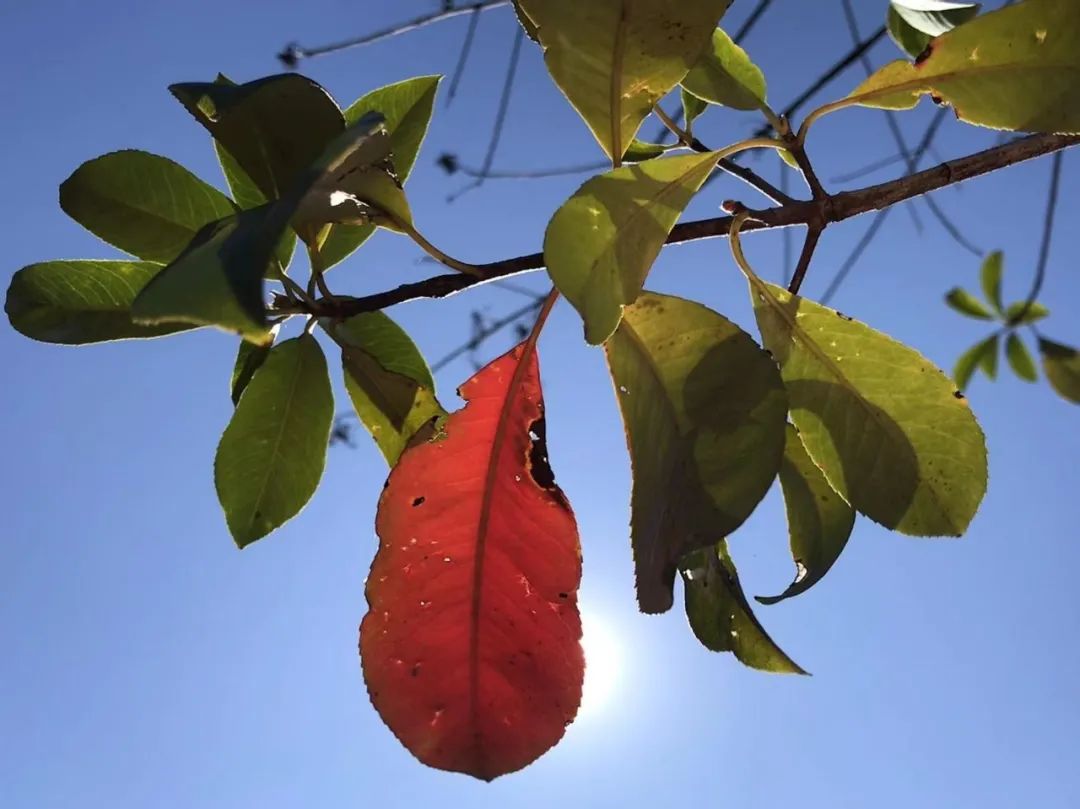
[
  {"x": 466, "y": 49},
  {"x": 293, "y": 53},
  {"x": 489, "y": 331},
  {"x": 1048, "y": 234},
  {"x": 813, "y": 235}
]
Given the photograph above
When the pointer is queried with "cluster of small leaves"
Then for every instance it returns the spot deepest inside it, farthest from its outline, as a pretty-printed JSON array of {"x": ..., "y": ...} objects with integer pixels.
[
  {"x": 470, "y": 647},
  {"x": 1059, "y": 361}
]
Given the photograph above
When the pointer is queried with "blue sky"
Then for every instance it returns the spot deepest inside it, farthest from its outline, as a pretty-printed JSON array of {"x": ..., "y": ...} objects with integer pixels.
[{"x": 147, "y": 662}]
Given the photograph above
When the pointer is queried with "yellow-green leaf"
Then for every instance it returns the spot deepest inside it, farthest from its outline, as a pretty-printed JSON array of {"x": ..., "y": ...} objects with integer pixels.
[
  {"x": 990, "y": 273},
  {"x": 725, "y": 75},
  {"x": 965, "y": 303},
  {"x": 388, "y": 381},
  {"x": 1017, "y": 68},
  {"x": 890, "y": 431},
  {"x": 271, "y": 456},
  {"x": 819, "y": 521},
  {"x": 720, "y": 615},
  {"x": 1020, "y": 359},
  {"x": 704, "y": 411},
  {"x": 602, "y": 242},
  {"x": 78, "y": 302},
  {"x": 615, "y": 59},
  {"x": 1062, "y": 366},
  {"x": 981, "y": 355},
  {"x": 1020, "y": 313}
]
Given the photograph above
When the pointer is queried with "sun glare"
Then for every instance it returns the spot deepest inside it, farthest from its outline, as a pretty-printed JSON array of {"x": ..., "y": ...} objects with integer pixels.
[{"x": 603, "y": 659}]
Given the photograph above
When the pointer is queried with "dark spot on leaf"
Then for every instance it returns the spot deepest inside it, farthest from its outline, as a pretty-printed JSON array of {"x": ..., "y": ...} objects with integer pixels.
[
  {"x": 418, "y": 501},
  {"x": 415, "y": 671},
  {"x": 564, "y": 595},
  {"x": 842, "y": 316},
  {"x": 958, "y": 394}
]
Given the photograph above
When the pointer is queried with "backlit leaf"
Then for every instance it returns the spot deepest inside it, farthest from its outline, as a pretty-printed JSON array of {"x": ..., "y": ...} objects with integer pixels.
[
  {"x": 271, "y": 456},
  {"x": 692, "y": 107},
  {"x": 274, "y": 127},
  {"x": 76, "y": 302},
  {"x": 704, "y": 410},
  {"x": 601, "y": 244},
  {"x": 725, "y": 75},
  {"x": 1061, "y": 363},
  {"x": 967, "y": 304},
  {"x": 1019, "y": 359},
  {"x": 913, "y": 23},
  {"x": 471, "y": 643},
  {"x": 890, "y": 431},
  {"x": 981, "y": 355},
  {"x": 722, "y": 618},
  {"x": 1020, "y": 313},
  {"x": 146, "y": 205},
  {"x": 406, "y": 107},
  {"x": 615, "y": 59},
  {"x": 388, "y": 381},
  {"x": 249, "y": 359},
  {"x": 819, "y": 521},
  {"x": 993, "y": 267},
  {"x": 1017, "y": 68}
]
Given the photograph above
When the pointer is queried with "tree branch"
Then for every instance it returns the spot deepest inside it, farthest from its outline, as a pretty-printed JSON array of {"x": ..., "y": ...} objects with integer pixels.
[{"x": 835, "y": 208}]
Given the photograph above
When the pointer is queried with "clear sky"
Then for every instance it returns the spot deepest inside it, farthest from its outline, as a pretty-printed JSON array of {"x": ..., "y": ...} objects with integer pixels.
[{"x": 147, "y": 663}]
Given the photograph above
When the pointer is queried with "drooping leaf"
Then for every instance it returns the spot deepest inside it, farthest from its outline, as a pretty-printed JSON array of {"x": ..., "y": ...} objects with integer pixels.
[
  {"x": 218, "y": 279},
  {"x": 704, "y": 410},
  {"x": 471, "y": 643},
  {"x": 965, "y": 303},
  {"x": 600, "y": 245},
  {"x": 913, "y": 23},
  {"x": 249, "y": 359},
  {"x": 274, "y": 127},
  {"x": 981, "y": 355},
  {"x": 271, "y": 456},
  {"x": 1061, "y": 364},
  {"x": 990, "y": 277},
  {"x": 692, "y": 107},
  {"x": 614, "y": 60},
  {"x": 406, "y": 106},
  {"x": 1020, "y": 359},
  {"x": 146, "y": 205},
  {"x": 1020, "y": 314},
  {"x": 890, "y": 431},
  {"x": 722, "y": 618},
  {"x": 77, "y": 302},
  {"x": 1017, "y": 68},
  {"x": 639, "y": 151},
  {"x": 388, "y": 381},
  {"x": 819, "y": 521},
  {"x": 726, "y": 75}
]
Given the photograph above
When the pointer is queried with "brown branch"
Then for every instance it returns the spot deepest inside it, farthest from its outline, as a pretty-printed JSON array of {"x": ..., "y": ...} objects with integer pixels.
[{"x": 836, "y": 208}]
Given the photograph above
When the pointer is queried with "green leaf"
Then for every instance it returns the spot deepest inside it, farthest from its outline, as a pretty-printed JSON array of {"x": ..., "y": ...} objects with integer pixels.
[
  {"x": 527, "y": 25},
  {"x": 388, "y": 381},
  {"x": 819, "y": 521},
  {"x": 1019, "y": 359},
  {"x": 1017, "y": 68},
  {"x": 990, "y": 276},
  {"x": 1017, "y": 315},
  {"x": 692, "y": 107},
  {"x": 246, "y": 194},
  {"x": 1061, "y": 363},
  {"x": 615, "y": 60},
  {"x": 913, "y": 23},
  {"x": 271, "y": 456},
  {"x": 965, "y": 303},
  {"x": 704, "y": 411},
  {"x": 273, "y": 127},
  {"x": 406, "y": 108},
  {"x": 218, "y": 279},
  {"x": 889, "y": 430},
  {"x": 639, "y": 151},
  {"x": 725, "y": 75},
  {"x": 249, "y": 359},
  {"x": 77, "y": 302},
  {"x": 976, "y": 357},
  {"x": 146, "y": 205},
  {"x": 601, "y": 244},
  {"x": 720, "y": 615}
]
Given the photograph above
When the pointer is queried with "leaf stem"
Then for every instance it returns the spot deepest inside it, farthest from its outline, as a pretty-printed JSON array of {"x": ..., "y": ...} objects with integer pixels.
[{"x": 435, "y": 252}]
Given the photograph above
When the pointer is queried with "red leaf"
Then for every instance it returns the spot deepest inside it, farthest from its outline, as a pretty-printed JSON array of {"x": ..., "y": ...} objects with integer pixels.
[{"x": 471, "y": 644}]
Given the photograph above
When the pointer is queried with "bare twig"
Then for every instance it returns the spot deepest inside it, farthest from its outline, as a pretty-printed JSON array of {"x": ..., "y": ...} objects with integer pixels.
[
  {"x": 466, "y": 49},
  {"x": 813, "y": 235},
  {"x": 293, "y": 53},
  {"x": 1048, "y": 234},
  {"x": 489, "y": 331}
]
